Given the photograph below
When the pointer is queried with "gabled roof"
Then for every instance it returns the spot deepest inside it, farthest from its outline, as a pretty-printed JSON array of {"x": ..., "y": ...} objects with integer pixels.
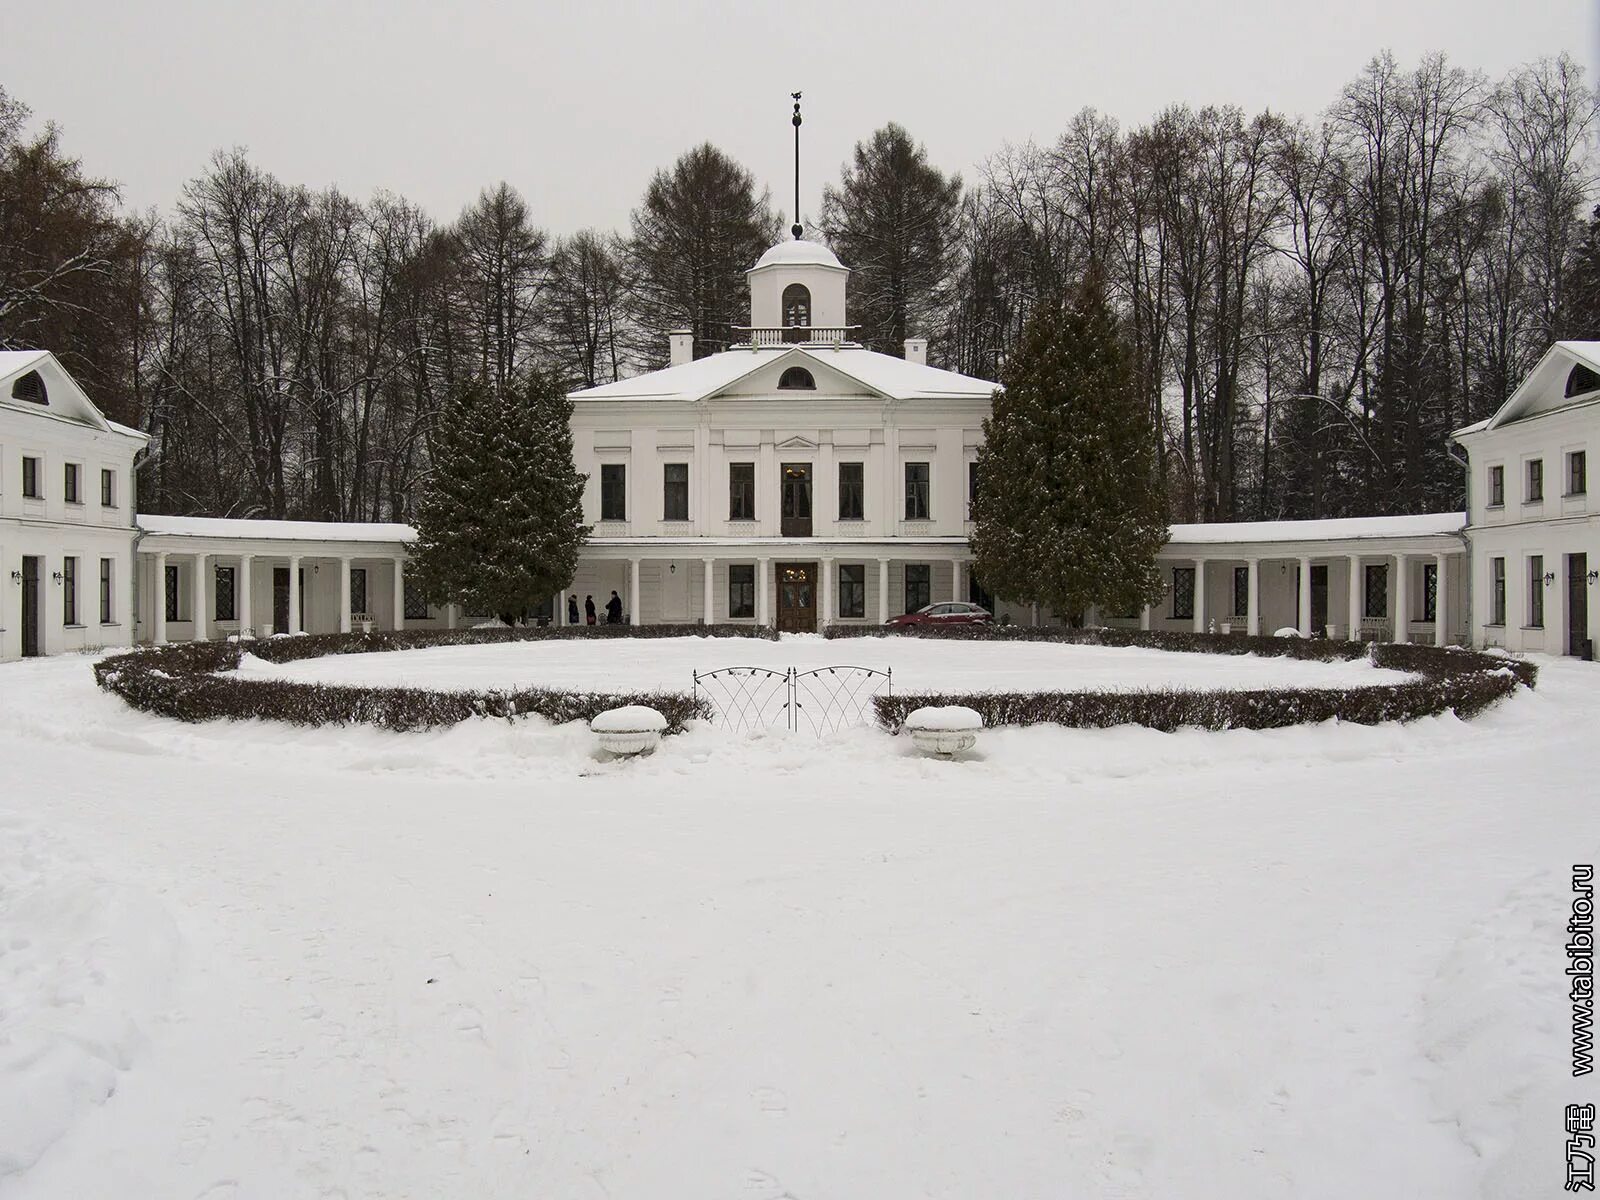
[
  {"x": 880, "y": 374},
  {"x": 1544, "y": 388},
  {"x": 66, "y": 401}
]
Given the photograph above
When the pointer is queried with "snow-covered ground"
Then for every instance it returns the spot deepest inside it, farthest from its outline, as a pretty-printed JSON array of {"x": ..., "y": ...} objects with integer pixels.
[
  {"x": 918, "y": 665},
  {"x": 251, "y": 961}
]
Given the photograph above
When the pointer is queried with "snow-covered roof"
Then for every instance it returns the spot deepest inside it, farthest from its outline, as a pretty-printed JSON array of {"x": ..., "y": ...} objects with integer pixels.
[
  {"x": 798, "y": 253},
  {"x": 250, "y": 528},
  {"x": 65, "y": 400},
  {"x": 882, "y": 374},
  {"x": 1544, "y": 389},
  {"x": 1333, "y": 530}
]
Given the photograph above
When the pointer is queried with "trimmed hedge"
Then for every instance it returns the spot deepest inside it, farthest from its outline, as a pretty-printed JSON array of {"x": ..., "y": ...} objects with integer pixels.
[
  {"x": 1461, "y": 681},
  {"x": 191, "y": 682}
]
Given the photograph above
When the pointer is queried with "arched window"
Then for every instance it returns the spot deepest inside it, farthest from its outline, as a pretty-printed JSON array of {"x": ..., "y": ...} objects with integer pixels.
[
  {"x": 1581, "y": 379},
  {"x": 796, "y": 312},
  {"x": 30, "y": 387},
  {"x": 797, "y": 379}
]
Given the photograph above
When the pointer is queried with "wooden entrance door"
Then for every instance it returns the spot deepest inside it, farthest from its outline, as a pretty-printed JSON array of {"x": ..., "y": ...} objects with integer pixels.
[
  {"x": 797, "y": 597},
  {"x": 30, "y": 606},
  {"x": 1577, "y": 602},
  {"x": 796, "y": 506},
  {"x": 1319, "y": 600}
]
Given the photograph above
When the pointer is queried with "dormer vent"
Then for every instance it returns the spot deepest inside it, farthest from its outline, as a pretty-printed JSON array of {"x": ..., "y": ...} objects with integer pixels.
[{"x": 30, "y": 387}]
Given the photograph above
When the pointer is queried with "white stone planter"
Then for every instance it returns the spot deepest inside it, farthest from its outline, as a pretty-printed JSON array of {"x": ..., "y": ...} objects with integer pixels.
[
  {"x": 632, "y": 729},
  {"x": 944, "y": 731}
]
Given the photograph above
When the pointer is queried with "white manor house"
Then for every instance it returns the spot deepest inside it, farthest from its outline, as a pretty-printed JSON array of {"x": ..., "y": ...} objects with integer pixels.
[{"x": 798, "y": 480}]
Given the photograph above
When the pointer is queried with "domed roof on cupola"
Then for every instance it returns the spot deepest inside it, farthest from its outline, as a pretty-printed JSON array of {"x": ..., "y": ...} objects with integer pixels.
[{"x": 798, "y": 253}]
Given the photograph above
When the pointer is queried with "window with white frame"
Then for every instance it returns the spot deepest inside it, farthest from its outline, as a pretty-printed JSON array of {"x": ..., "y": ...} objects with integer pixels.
[
  {"x": 741, "y": 590},
  {"x": 917, "y": 497},
  {"x": 1536, "y": 591},
  {"x": 1182, "y": 593},
  {"x": 1577, "y": 473},
  {"x": 69, "y": 591},
  {"x": 1533, "y": 490},
  {"x": 852, "y": 590},
  {"x": 30, "y": 478},
  {"x": 107, "y": 605},
  {"x": 226, "y": 605},
  {"x": 1497, "y": 591},
  {"x": 1497, "y": 486},
  {"x": 108, "y": 488},
  {"x": 1241, "y": 591}
]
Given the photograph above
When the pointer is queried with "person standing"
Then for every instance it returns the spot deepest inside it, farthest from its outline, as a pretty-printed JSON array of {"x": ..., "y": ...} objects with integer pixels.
[
  {"x": 614, "y": 609},
  {"x": 588, "y": 608},
  {"x": 572, "y": 608}
]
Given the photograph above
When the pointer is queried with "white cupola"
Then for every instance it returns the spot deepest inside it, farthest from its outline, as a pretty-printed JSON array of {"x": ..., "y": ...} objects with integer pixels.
[{"x": 799, "y": 285}]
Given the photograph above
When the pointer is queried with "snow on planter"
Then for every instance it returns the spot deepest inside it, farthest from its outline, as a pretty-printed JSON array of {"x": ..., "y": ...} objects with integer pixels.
[
  {"x": 631, "y": 729},
  {"x": 945, "y": 730},
  {"x": 1287, "y": 631}
]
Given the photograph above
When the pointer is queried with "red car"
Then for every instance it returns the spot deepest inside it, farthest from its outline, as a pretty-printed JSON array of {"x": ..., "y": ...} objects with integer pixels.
[{"x": 950, "y": 612}]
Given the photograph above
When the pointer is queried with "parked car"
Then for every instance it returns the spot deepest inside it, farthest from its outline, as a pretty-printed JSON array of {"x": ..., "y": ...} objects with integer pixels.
[{"x": 950, "y": 612}]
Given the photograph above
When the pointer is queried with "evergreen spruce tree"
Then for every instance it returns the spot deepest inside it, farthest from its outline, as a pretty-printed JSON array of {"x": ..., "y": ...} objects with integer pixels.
[
  {"x": 501, "y": 520},
  {"x": 1068, "y": 511}
]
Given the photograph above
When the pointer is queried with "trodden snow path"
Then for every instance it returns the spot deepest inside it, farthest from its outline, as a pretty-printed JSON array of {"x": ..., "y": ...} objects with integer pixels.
[{"x": 1317, "y": 962}]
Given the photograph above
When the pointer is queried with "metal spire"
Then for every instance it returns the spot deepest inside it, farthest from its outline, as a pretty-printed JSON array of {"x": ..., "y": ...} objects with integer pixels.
[{"x": 796, "y": 229}]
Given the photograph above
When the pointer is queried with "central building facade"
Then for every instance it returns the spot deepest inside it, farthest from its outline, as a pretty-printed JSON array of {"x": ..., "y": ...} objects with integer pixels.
[{"x": 795, "y": 480}]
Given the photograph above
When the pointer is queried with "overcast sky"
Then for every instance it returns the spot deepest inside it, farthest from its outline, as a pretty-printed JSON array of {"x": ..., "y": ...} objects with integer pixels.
[{"x": 576, "y": 104}]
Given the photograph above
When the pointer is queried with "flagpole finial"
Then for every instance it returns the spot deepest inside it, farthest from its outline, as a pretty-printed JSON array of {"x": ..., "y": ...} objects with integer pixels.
[{"x": 797, "y": 229}]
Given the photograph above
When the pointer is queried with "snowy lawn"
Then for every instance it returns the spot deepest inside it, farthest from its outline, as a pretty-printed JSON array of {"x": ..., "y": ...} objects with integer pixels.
[
  {"x": 918, "y": 665},
  {"x": 241, "y": 960}
]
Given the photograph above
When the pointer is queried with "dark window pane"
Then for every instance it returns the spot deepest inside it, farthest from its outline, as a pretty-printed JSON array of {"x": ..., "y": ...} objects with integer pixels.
[
  {"x": 105, "y": 591},
  {"x": 69, "y": 591},
  {"x": 742, "y": 491},
  {"x": 1536, "y": 479},
  {"x": 1577, "y": 473},
  {"x": 916, "y": 491},
  {"x": 358, "y": 591},
  {"x": 1377, "y": 597},
  {"x": 416, "y": 606},
  {"x": 1241, "y": 591},
  {"x": 1430, "y": 591},
  {"x": 1497, "y": 595},
  {"x": 71, "y": 485},
  {"x": 741, "y": 591},
  {"x": 171, "y": 586},
  {"x": 108, "y": 488},
  {"x": 675, "y": 492},
  {"x": 1497, "y": 486},
  {"x": 919, "y": 586},
  {"x": 972, "y": 487},
  {"x": 1536, "y": 591},
  {"x": 226, "y": 603},
  {"x": 852, "y": 491},
  {"x": 1182, "y": 593},
  {"x": 30, "y": 478},
  {"x": 853, "y": 590},
  {"x": 613, "y": 492}
]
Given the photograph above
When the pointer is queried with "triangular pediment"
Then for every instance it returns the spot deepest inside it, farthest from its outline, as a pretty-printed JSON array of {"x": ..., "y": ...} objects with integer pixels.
[
  {"x": 829, "y": 380},
  {"x": 797, "y": 443},
  {"x": 1544, "y": 389}
]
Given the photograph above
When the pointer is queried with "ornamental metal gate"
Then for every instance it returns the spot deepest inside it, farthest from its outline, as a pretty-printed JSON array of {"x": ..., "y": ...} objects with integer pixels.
[{"x": 819, "y": 701}]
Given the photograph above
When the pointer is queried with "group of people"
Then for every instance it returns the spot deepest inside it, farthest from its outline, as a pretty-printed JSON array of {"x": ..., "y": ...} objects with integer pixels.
[{"x": 613, "y": 610}]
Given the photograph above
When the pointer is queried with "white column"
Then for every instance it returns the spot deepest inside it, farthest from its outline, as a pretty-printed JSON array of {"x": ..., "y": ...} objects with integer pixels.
[
  {"x": 763, "y": 616},
  {"x": 1355, "y": 597},
  {"x": 1441, "y": 611},
  {"x": 199, "y": 590},
  {"x": 399, "y": 594},
  {"x": 242, "y": 598},
  {"x": 1304, "y": 617},
  {"x": 1033, "y": 613},
  {"x": 633, "y": 591},
  {"x": 294, "y": 594},
  {"x": 450, "y": 611},
  {"x": 1199, "y": 595},
  {"x": 1144, "y": 618},
  {"x": 883, "y": 591},
  {"x": 559, "y": 618},
  {"x": 708, "y": 605},
  {"x": 1402, "y": 602},
  {"x": 160, "y": 626},
  {"x": 826, "y": 593},
  {"x": 1252, "y": 601},
  {"x": 344, "y": 595}
]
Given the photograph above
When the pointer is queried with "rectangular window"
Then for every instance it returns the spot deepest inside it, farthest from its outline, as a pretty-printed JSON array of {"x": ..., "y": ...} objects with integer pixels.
[
  {"x": 1536, "y": 591},
  {"x": 226, "y": 607},
  {"x": 1241, "y": 591},
  {"x": 69, "y": 591},
  {"x": 852, "y": 491},
  {"x": 1535, "y": 480},
  {"x": 972, "y": 488},
  {"x": 853, "y": 591},
  {"x": 1497, "y": 591},
  {"x": 1430, "y": 591},
  {"x": 1577, "y": 473},
  {"x": 741, "y": 590},
  {"x": 69, "y": 487},
  {"x": 1497, "y": 486},
  {"x": 675, "y": 492},
  {"x": 742, "y": 491},
  {"x": 613, "y": 492},
  {"x": 108, "y": 488},
  {"x": 30, "y": 478},
  {"x": 416, "y": 605},
  {"x": 919, "y": 586},
  {"x": 171, "y": 587},
  {"x": 1183, "y": 593},
  {"x": 107, "y": 613},
  {"x": 358, "y": 591},
  {"x": 1376, "y": 605},
  {"x": 917, "y": 491}
]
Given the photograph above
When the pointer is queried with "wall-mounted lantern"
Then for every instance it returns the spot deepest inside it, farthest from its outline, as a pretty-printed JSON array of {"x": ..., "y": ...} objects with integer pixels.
[
  {"x": 16, "y": 577},
  {"x": 57, "y": 576}
]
